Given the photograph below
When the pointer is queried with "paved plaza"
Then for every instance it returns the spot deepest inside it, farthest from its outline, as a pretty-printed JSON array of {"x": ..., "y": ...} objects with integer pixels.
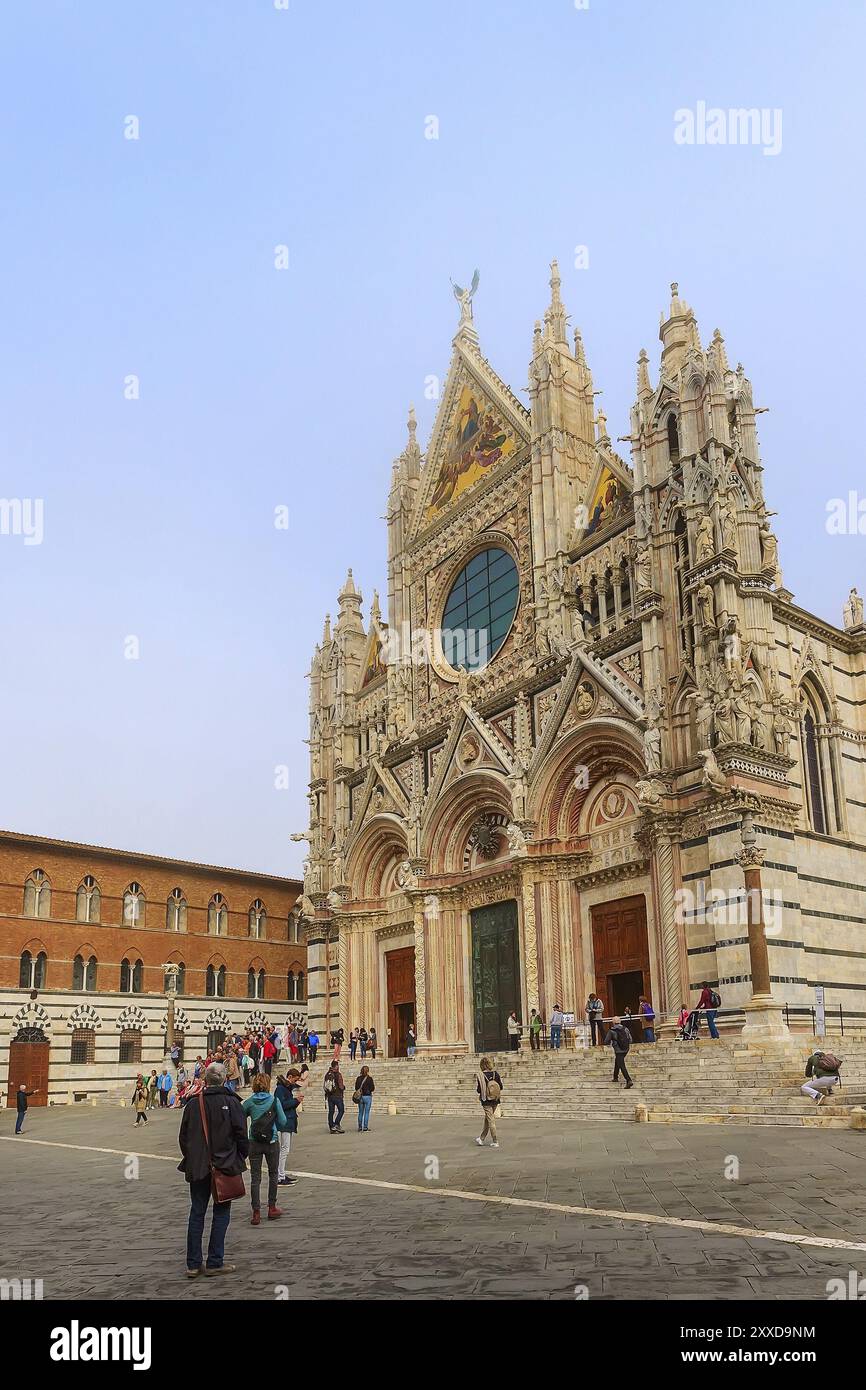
[{"x": 410, "y": 1225}]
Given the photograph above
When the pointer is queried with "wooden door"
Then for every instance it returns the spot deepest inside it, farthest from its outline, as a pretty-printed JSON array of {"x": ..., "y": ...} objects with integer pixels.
[
  {"x": 400, "y": 975},
  {"x": 620, "y": 950},
  {"x": 28, "y": 1062},
  {"x": 495, "y": 974}
]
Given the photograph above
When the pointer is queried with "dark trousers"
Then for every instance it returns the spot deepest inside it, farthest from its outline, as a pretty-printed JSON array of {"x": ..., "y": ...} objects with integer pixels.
[
  {"x": 336, "y": 1110},
  {"x": 620, "y": 1066},
  {"x": 163, "y": 1097},
  {"x": 353, "y": 1048},
  {"x": 141, "y": 1116},
  {"x": 268, "y": 1065},
  {"x": 271, "y": 1154},
  {"x": 22, "y": 1114},
  {"x": 596, "y": 1027},
  {"x": 313, "y": 1051},
  {"x": 199, "y": 1196},
  {"x": 534, "y": 1040}
]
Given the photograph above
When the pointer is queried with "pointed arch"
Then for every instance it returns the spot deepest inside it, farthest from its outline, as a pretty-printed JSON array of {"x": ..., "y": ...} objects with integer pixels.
[
  {"x": 573, "y": 771},
  {"x": 465, "y": 804},
  {"x": 821, "y": 767}
]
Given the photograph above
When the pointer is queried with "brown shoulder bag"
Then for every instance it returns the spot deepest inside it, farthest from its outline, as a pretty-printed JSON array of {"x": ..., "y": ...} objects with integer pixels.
[{"x": 225, "y": 1187}]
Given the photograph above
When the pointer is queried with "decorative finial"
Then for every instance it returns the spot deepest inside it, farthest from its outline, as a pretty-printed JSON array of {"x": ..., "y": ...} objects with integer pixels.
[{"x": 411, "y": 424}]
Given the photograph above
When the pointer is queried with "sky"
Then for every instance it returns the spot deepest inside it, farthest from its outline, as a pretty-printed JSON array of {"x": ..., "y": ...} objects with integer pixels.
[{"x": 169, "y": 379}]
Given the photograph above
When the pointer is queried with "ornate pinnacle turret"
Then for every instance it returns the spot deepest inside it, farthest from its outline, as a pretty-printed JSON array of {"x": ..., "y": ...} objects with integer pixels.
[
  {"x": 579, "y": 354},
  {"x": 536, "y": 338},
  {"x": 644, "y": 385},
  {"x": 717, "y": 347},
  {"x": 375, "y": 613},
  {"x": 601, "y": 426},
  {"x": 555, "y": 318},
  {"x": 348, "y": 591},
  {"x": 326, "y": 634}
]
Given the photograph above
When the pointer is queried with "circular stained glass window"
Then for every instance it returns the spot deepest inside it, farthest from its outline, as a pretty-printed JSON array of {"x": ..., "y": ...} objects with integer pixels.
[{"x": 480, "y": 609}]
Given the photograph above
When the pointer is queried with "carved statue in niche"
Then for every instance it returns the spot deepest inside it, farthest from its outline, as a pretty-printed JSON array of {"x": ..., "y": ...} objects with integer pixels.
[
  {"x": 728, "y": 518},
  {"x": 642, "y": 567},
  {"x": 757, "y": 727},
  {"x": 652, "y": 747},
  {"x": 703, "y": 717},
  {"x": 742, "y": 711},
  {"x": 705, "y": 542},
  {"x": 517, "y": 786},
  {"x": 783, "y": 729},
  {"x": 723, "y": 715},
  {"x": 706, "y": 606},
  {"x": 769, "y": 549}
]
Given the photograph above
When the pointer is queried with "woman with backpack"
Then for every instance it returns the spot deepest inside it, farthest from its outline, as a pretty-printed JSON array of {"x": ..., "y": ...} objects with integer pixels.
[
  {"x": 266, "y": 1118},
  {"x": 363, "y": 1098},
  {"x": 709, "y": 1001},
  {"x": 488, "y": 1084},
  {"x": 822, "y": 1072}
]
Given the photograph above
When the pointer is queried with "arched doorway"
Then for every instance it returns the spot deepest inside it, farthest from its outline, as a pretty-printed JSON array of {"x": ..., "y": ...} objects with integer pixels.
[{"x": 29, "y": 1053}]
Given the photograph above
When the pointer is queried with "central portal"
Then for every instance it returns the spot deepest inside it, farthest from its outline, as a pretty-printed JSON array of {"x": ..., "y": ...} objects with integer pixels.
[
  {"x": 495, "y": 974},
  {"x": 621, "y": 956}
]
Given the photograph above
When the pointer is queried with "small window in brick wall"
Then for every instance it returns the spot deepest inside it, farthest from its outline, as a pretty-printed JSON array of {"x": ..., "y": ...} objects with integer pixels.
[
  {"x": 130, "y": 1045},
  {"x": 83, "y": 1045}
]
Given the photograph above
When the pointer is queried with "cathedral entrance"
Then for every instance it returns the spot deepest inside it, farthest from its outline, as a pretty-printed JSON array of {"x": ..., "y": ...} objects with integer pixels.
[
  {"x": 495, "y": 974},
  {"x": 400, "y": 977},
  {"x": 28, "y": 1062},
  {"x": 620, "y": 949}
]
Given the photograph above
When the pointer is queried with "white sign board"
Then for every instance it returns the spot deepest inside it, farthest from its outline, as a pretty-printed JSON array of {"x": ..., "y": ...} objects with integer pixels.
[{"x": 820, "y": 1018}]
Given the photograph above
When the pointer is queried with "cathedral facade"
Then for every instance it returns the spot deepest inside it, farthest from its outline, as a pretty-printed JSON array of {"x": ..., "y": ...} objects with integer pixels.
[{"x": 532, "y": 778}]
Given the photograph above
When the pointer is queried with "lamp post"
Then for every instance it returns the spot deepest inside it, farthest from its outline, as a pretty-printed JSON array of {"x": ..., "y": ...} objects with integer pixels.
[{"x": 763, "y": 1013}]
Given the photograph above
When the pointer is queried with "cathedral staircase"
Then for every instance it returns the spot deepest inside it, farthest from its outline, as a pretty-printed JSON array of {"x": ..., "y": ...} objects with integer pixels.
[{"x": 705, "y": 1082}]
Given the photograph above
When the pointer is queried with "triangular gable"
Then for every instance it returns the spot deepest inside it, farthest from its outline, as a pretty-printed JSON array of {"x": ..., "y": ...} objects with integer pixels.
[
  {"x": 478, "y": 426},
  {"x": 608, "y": 497},
  {"x": 373, "y": 668},
  {"x": 616, "y": 687}
]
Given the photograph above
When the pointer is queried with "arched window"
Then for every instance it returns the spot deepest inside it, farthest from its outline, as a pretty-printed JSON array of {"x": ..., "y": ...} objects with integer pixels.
[
  {"x": 175, "y": 911},
  {"x": 300, "y": 995},
  {"x": 88, "y": 900},
  {"x": 131, "y": 976},
  {"x": 37, "y": 895},
  {"x": 78, "y": 973},
  {"x": 294, "y": 932},
  {"x": 133, "y": 906},
  {"x": 261, "y": 993},
  {"x": 819, "y": 772},
  {"x": 83, "y": 1045},
  {"x": 218, "y": 916},
  {"x": 215, "y": 981},
  {"x": 291, "y": 986},
  {"x": 684, "y": 600},
  {"x": 255, "y": 984},
  {"x": 258, "y": 919},
  {"x": 31, "y": 970},
  {"x": 673, "y": 439}
]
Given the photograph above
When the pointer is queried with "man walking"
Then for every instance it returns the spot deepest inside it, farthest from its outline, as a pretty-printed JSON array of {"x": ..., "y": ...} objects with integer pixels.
[
  {"x": 313, "y": 1044},
  {"x": 619, "y": 1038},
  {"x": 335, "y": 1087},
  {"x": 227, "y": 1150},
  {"x": 21, "y": 1101},
  {"x": 822, "y": 1069}
]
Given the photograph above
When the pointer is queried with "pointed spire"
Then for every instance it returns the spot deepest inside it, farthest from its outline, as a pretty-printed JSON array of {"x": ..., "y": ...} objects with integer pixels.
[
  {"x": 579, "y": 354},
  {"x": 720, "y": 352},
  {"x": 536, "y": 338},
  {"x": 349, "y": 590},
  {"x": 555, "y": 318},
  {"x": 326, "y": 635},
  {"x": 375, "y": 614},
  {"x": 644, "y": 385}
]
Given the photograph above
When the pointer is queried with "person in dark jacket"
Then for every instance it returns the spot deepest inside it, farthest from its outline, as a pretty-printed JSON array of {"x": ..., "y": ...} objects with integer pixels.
[
  {"x": 21, "y": 1101},
  {"x": 619, "y": 1038},
  {"x": 364, "y": 1088},
  {"x": 707, "y": 1005},
  {"x": 488, "y": 1084},
  {"x": 228, "y": 1151},
  {"x": 287, "y": 1093},
  {"x": 334, "y": 1088}
]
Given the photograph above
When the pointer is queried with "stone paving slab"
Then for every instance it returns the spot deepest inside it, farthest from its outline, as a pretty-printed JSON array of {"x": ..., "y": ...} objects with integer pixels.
[{"x": 73, "y": 1218}]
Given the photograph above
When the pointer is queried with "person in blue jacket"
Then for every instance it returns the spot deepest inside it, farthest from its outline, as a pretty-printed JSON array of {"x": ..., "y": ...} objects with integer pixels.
[
  {"x": 266, "y": 1118},
  {"x": 287, "y": 1094},
  {"x": 164, "y": 1085}
]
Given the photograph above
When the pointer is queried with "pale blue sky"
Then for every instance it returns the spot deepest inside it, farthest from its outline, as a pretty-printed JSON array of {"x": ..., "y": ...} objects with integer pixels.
[{"x": 258, "y": 387}]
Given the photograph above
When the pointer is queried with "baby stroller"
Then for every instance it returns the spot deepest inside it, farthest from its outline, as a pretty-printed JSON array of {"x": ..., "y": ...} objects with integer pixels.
[{"x": 690, "y": 1024}]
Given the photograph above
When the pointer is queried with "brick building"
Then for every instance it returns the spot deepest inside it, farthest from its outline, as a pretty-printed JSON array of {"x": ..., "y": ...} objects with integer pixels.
[{"x": 85, "y": 934}]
